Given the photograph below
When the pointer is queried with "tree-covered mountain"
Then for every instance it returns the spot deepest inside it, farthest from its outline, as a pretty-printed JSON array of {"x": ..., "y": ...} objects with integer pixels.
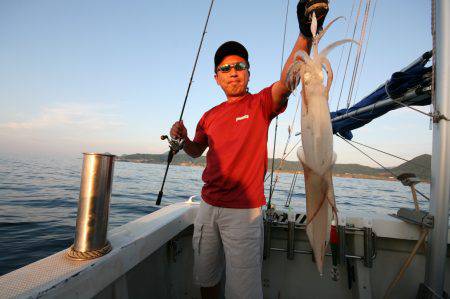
[{"x": 421, "y": 165}]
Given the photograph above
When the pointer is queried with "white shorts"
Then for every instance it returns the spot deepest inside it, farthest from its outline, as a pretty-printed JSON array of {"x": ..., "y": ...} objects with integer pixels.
[{"x": 233, "y": 235}]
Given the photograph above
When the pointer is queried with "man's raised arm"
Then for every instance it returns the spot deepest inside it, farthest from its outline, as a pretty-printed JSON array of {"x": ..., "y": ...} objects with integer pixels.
[{"x": 280, "y": 92}]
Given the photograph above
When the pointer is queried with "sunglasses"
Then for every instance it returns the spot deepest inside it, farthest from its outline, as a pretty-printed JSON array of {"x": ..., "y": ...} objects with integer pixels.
[{"x": 240, "y": 66}]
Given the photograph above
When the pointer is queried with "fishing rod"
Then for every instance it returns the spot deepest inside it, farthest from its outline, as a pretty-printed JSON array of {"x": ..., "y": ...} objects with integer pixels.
[{"x": 176, "y": 145}]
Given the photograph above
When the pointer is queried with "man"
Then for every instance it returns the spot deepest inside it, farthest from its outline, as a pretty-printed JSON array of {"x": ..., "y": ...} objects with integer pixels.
[{"x": 229, "y": 228}]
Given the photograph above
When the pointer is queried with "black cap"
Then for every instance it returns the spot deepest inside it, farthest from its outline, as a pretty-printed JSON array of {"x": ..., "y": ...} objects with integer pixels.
[{"x": 229, "y": 48}]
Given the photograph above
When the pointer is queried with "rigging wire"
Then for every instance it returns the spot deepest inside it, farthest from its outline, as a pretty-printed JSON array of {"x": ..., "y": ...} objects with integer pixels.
[
  {"x": 365, "y": 50},
  {"x": 291, "y": 189},
  {"x": 361, "y": 151},
  {"x": 344, "y": 46},
  {"x": 173, "y": 150},
  {"x": 284, "y": 157},
  {"x": 386, "y": 169},
  {"x": 433, "y": 66},
  {"x": 429, "y": 114},
  {"x": 349, "y": 52},
  {"x": 276, "y": 120},
  {"x": 358, "y": 54},
  {"x": 389, "y": 154}
]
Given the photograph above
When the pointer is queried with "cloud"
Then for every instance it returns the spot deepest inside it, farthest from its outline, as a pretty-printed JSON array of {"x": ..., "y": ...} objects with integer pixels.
[
  {"x": 73, "y": 115},
  {"x": 68, "y": 127}
]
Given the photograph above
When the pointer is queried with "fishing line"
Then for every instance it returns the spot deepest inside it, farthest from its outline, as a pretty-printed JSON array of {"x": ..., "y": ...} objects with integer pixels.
[
  {"x": 276, "y": 120},
  {"x": 175, "y": 145}
]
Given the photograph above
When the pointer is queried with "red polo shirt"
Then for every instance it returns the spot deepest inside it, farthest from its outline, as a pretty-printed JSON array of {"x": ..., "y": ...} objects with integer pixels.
[{"x": 236, "y": 162}]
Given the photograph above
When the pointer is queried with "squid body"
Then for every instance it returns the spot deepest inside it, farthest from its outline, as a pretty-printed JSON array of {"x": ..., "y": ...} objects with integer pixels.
[{"x": 316, "y": 155}]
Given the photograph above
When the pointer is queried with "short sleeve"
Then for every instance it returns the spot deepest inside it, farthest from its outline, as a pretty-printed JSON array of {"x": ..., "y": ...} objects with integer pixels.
[
  {"x": 200, "y": 133},
  {"x": 267, "y": 104}
]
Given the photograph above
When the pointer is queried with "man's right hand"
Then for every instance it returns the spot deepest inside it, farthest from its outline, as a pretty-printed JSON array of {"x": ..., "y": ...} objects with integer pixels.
[
  {"x": 178, "y": 131},
  {"x": 320, "y": 7}
]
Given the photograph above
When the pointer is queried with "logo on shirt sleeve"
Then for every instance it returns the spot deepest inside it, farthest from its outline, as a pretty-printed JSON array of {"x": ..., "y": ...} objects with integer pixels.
[{"x": 242, "y": 117}]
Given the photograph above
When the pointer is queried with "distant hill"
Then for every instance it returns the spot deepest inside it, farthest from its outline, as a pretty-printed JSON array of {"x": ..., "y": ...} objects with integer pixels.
[
  {"x": 420, "y": 165},
  {"x": 180, "y": 159}
]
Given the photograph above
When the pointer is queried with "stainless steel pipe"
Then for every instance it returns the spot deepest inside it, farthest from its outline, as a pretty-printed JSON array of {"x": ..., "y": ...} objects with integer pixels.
[
  {"x": 440, "y": 158},
  {"x": 368, "y": 247},
  {"x": 93, "y": 207},
  {"x": 290, "y": 240}
]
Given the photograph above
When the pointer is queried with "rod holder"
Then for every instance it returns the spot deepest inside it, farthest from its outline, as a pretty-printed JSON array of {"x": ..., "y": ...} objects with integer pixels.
[
  {"x": 267, "y": 238},
  {"x": 291, "y": 234},
  {"x": 342, "y": 239},
  {"x": 368, "y": 247},
  {"x": 290, "y": 240},
  {"x": 93, "y": 207}
]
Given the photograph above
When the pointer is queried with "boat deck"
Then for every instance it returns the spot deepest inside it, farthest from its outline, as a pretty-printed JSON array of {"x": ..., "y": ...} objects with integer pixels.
[{"x": 152, "y": 258}]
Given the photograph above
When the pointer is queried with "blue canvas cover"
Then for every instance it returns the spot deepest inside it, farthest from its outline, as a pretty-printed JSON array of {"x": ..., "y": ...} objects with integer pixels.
[{"x": 416, "y": 75}]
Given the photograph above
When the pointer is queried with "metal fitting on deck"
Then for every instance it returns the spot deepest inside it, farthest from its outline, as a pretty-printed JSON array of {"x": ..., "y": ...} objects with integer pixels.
[{"x": 93, "y": 207}]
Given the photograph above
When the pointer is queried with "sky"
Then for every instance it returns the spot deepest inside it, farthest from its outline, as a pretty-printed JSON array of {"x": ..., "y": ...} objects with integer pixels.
[{"x": 111, "y": 76}]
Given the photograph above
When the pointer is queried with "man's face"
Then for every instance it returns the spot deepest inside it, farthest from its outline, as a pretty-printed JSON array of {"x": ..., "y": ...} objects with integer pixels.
[{"x": 234, "y": 83}]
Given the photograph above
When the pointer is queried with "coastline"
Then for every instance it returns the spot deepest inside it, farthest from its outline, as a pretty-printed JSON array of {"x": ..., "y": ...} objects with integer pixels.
[{"x": 335, "y": 174}]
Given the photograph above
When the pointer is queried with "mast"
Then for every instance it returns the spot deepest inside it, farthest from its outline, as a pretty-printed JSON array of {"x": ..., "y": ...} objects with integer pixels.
[{"x": 440, "y": 163}]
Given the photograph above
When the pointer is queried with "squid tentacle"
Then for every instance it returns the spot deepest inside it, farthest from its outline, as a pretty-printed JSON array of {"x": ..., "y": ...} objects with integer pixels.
[
  {"x": 330, "y": 47},
  {"x": 322, "y": 33}
]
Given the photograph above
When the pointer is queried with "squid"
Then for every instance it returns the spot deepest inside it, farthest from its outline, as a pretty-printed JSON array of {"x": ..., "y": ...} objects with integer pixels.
[{"x": 316, "y": 154}]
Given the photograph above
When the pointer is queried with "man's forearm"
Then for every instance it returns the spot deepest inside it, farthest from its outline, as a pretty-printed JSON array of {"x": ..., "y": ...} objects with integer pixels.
[
  {"x": 192, "y": 148},
  {"x": 302, "y": 43},
  {"x": 280, "y": 91}
]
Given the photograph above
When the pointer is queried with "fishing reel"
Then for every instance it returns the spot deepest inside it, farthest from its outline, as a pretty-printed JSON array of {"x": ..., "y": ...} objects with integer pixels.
[{"x": 175, "y": 145}]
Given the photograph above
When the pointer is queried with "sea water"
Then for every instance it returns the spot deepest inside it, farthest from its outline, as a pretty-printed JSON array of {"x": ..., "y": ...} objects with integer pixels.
[{"x": 38, "y": 200}]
